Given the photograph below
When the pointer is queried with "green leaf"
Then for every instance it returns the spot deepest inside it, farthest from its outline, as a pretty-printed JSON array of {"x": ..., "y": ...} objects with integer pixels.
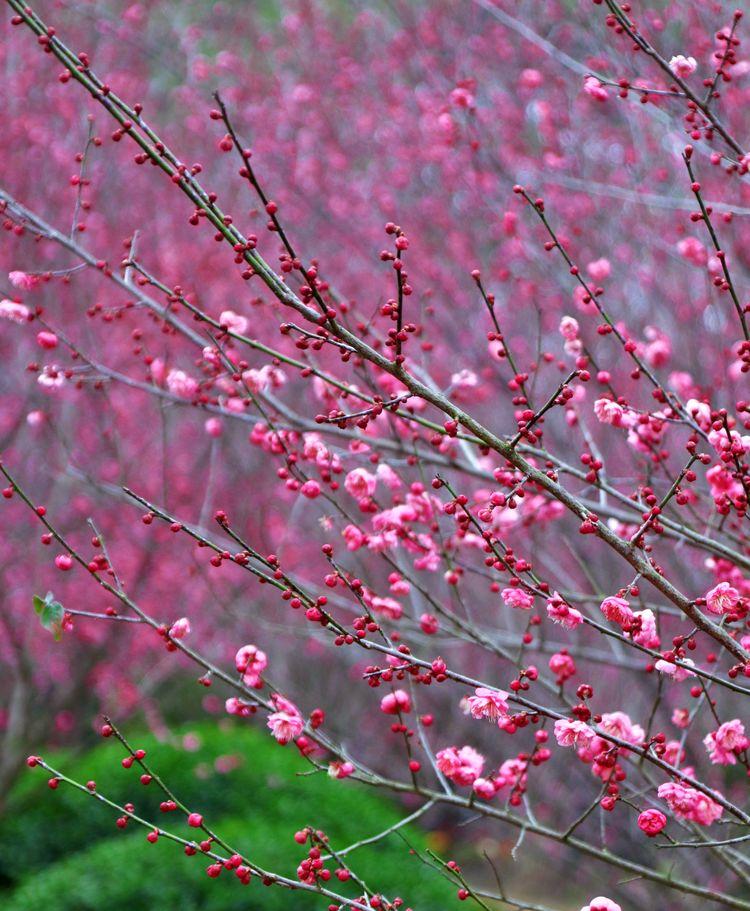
[{"x": 50, "y": 613}]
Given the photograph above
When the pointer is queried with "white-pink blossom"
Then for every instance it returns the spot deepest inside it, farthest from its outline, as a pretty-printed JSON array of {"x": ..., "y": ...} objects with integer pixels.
[
  {"x": 180, "y": 628},
  {"x": 601, "y": 903},
  {"x": 17, "y": 313},
  {"x": 181, "y": 384},
  {"x": 682, "y": 66},
  {"x": 609, "y": 412},
  {"x": 678, "y": 672},
  {"x": 233, "y": 322},
  {"x": 23, "y": 280}
]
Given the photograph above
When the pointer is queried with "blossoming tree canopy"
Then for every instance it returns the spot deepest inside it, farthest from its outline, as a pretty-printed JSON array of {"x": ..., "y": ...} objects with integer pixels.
[{"x": 396, "y": 347}]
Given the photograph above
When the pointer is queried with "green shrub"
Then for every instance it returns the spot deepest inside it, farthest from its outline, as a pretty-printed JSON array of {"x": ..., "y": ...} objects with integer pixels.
[{"x": 60, "y": 851}]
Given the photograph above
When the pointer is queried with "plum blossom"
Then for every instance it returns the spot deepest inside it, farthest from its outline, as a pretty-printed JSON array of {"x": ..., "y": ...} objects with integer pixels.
[
  {"x": 700, "y": 411},
  {"x": 600, "y": 903},
  {"x": 677, "y": 672},
  {"x": 595, "y": 89},
  {"x": 618, "y": 724},
  {"x": 386, "y": 475},
  {"x": 490, "y": 704},
  {"x": 691, "y": 249},
  {"x": 722, "y": 598},
  {"x": 340, "y": 770},
  {"x": 513, "y": 772},
  {"x": 180, "y": 628},
  {"x": 646, "y": 432},
  {"x": 396, "y": 702},
  {"x": 35, "y": 418},
  {"x": 359, "y": 483},
  {"x": 682, "y": 66},
  {"x": 724, "y": 743},
  {"x": 464, "y": 380},
  {"x": 569, "y": 328},
  {"x": 688, "y": 803},
  {"x": 213, "y": 427},
  {"x": 23, "y": 280},
  {"x": 285, "y": 725},
  {"x": 388, "y": 606},
  {"x": 484, "y": 788},
  {"x": 233, "y": 321},
  {"x": 609, "y": 412},
  {"x": 651, "y": 822},
  {"x": 646, "y": 635},
  {"x": 354, "y": 537},
  {"x": 658, "y": 350},
  {"x": 310, "y": 489},
  {"x": 599, "y": 269},
  {"x": 569, "y": 733},
  {"x": 463, "y": 766},
  {"x": 250, "y": 661},
  {"x": 518, "y": 598},
  {"x": 46, "y": 340},
  {"x": 617, "y": 610},
  {"x": 429, "y": 624},
  {"x": 51, "y": 378},
  {"x": 235, "y": 706},
  {"x": 530, "y": 79},
  {"x": 560, "y": 612},
  {"x": 562, "y": 666},
  {"x": 263, "y": 378},
  {"x": 680, "y": 718},
  {"x": 181, "y": 384},
  {"x": 673, "y": 753},
  {"x": 732, "y": 443},
  {"x": 17, "y": 313}
]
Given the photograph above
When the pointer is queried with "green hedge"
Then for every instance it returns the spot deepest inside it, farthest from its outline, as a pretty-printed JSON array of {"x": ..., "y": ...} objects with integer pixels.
[{"x": 60, "y": 851}]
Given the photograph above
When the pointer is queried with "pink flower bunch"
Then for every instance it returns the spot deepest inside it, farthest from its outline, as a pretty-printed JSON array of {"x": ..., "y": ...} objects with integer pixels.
[
  {"x": 517, "y": 598},
  {"x": 688, "y": 803},
  {"x": 462, "y": 765},
  {"x": 726, "y": 742},
  {"x": 250, "y": 661}
]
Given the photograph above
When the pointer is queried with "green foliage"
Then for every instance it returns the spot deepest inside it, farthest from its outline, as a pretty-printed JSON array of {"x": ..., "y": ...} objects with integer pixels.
[
  {"x": 50, "y": 613},
  {"x": 61, "y": 850}
]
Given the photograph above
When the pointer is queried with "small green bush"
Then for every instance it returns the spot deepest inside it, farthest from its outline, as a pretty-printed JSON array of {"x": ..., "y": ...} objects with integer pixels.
[{"x": 60, "y": 851}]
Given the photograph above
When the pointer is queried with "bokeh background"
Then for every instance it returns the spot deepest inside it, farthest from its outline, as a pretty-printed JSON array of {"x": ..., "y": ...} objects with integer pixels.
[{"x": 358, "y": 113}]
